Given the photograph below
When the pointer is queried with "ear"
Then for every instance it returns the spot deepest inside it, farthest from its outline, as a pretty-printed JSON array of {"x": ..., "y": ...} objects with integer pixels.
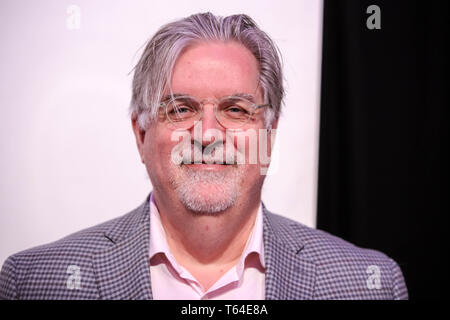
[
  {"x": 139, "y": 134},
  {"x": 274, "y": 124},
  {"x": 273, "y": 133}
]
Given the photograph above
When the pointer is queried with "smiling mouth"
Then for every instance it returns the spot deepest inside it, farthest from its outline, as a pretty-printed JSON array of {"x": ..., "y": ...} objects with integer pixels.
[{"x": 207, "y": 166}]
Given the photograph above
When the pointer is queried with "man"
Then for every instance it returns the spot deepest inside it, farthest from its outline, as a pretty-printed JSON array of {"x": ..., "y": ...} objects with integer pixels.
[{"x": 207, "y": 93}]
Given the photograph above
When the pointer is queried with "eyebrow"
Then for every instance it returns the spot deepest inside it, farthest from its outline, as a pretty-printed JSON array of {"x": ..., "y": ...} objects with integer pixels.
[
  {"x": 239, "y": 94},
  {"x": 169, "y": 96},
  {"x": 246, "y": 96}
]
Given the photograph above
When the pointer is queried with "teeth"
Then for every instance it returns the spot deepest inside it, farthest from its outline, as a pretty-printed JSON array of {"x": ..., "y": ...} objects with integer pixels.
[{"x": 215, "y": 156}]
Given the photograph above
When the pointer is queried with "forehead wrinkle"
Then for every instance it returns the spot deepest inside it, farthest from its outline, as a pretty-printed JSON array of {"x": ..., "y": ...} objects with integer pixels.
[
  {"x": 245, "y": 95},
  {"x": 215, "y": 83}
]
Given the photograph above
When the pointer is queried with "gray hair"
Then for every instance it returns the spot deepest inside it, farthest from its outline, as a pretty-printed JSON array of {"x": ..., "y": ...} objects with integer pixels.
[{"x": 153, "y": 72}]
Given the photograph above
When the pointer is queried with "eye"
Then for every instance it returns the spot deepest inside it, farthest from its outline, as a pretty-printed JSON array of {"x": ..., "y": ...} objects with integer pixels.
[
  {"x": 235, "y": 109},
  {"x": 181, "y": 109},
  {"x": 235, "y": 112}
]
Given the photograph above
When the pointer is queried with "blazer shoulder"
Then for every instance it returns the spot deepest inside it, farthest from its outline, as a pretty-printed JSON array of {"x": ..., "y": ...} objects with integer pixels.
[
  {"x": 92, "y": 239},
  {"x": 342, "y": 268},
  {"x": 318, "y": 244},
  {"x": 55, "y": 260}
]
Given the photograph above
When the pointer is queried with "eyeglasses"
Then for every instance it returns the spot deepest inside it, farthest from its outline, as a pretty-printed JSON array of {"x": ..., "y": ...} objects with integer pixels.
[{"x": 232, "y": 112}]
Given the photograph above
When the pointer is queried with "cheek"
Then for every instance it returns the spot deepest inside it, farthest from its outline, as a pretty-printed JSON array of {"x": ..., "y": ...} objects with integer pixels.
[
  {"x": 157, "y": 146},
  {"x": 255, "y": 144},
  {"x": 252, "y": 179}
]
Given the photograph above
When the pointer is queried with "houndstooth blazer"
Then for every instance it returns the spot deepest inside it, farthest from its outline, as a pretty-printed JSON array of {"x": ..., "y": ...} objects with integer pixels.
[{"x": 111, "y": 261}]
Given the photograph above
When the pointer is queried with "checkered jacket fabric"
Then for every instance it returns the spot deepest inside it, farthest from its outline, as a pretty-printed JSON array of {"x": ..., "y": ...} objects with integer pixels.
[{"x": 111, "y": 261}]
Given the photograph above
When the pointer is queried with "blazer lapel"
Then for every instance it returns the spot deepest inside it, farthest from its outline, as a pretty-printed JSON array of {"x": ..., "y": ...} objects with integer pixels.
[
  {"x": 289, "y": 276},
  {"x": 123, "y": 270}
]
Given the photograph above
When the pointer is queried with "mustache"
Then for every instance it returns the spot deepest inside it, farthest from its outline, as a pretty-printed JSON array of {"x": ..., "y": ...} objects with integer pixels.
[{"x": 217, "y": 152}]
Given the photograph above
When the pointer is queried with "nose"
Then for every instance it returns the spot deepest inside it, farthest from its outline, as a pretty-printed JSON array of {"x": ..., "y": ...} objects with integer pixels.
[{"x": 209, "y": 122}]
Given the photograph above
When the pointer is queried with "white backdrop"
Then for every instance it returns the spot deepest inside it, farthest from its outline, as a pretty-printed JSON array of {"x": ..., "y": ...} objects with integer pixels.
[{"x": 68, "y": 156}]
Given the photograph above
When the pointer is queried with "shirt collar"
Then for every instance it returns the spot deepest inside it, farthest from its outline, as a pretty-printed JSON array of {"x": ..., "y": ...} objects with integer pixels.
[{"x": 158, "y": 240}]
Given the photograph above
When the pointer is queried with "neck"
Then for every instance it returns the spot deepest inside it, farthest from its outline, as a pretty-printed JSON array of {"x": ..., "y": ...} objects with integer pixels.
[{"x": 196, "y": 239}]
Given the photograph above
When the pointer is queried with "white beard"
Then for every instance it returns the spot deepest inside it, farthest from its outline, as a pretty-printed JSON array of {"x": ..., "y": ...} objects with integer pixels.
[{"x": 208, "y": 192}]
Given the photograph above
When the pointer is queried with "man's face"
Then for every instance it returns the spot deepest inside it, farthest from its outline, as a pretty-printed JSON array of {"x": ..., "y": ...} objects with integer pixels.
[{"x": 206, "y": 71}]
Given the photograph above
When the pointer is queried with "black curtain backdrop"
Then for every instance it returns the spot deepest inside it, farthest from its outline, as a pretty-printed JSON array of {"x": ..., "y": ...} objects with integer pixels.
[{"x": 383, "y": 165}]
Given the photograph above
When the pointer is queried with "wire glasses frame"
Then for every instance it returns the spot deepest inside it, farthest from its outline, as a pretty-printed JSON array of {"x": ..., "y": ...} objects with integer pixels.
[{"x": 232, "y": 112}]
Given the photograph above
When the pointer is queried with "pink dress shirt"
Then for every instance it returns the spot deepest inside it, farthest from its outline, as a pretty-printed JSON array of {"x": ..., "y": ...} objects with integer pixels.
[{"x": 171, "y": 281}]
